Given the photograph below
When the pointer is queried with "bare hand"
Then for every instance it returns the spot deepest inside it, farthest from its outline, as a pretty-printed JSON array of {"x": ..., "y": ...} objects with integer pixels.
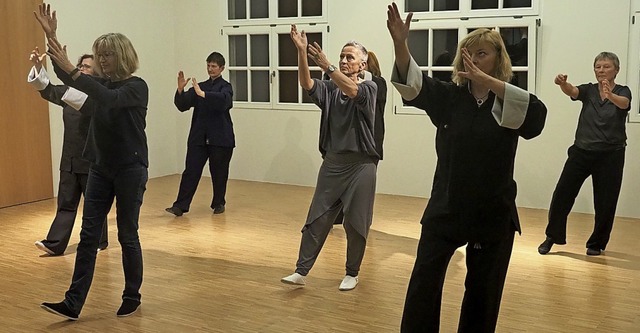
[
  {"x": 317, "y": 55},
  {"x": 182, "y": 82},
  {"x": 606, "y": 88},
  {"x": 560, "y": 79},
  {"x": 196, "y": 87},
  {"x": 37, "y": 58},
  {"x": 299, "y": 38},
  {"x": 48, "y": 21},
  {"x": 471, "y": 71},
  {"x": 398, "y": 29},
  {"x": 58, "y": 54}
]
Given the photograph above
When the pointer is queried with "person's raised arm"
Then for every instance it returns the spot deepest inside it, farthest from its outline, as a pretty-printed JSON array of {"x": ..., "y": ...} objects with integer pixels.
[
  {"x": 399, "y": 31},
  {"x": 621, "y": 102},
  {"x": 300, "y": 41},
  {"x": 47, "y": 19},
  {"x": 182, "y": 82},
  {"x": 566, "y": 87},
  {"x": 476, "y": 75},
  {"x": 37, "y": 59},
  {"x": 58, "y": 54}
]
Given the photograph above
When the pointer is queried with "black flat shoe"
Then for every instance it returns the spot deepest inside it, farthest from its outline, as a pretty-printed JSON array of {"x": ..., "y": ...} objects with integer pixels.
[
  {"x": 60, "y": 309},
  {"x": 128, "y": 307},
  {"x": 545, "y": 247},
  {"x": 174, "y": 210},
  {"x": 593, "y": 252}
]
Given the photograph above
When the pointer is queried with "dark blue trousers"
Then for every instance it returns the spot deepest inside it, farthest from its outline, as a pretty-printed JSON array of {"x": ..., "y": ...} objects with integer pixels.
[{"x": 219, "y": 159}]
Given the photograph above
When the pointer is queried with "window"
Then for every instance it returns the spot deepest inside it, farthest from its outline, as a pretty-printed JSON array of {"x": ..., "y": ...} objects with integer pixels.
[
  {"x": 251, "y": 12},
  {"x": 633, "y": 68},
  {"x": 263, "y": 62},
  {"x": 434, "y": 9},
  {"x": 263, "y": 66},
  {"x": 434, "y": 38}
]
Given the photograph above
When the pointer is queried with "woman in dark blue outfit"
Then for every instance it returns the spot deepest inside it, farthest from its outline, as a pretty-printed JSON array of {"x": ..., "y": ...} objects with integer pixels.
[
  {"x": 117, "y": 149},
  {"x": 479, "y": 118}
]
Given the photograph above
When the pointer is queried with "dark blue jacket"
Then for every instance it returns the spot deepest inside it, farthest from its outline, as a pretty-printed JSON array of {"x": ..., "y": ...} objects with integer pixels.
[{"x": 211, "y": 122}]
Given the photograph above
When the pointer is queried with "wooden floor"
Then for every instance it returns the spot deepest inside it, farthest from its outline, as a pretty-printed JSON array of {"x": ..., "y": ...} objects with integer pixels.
[{"x": 220, "y": 273}]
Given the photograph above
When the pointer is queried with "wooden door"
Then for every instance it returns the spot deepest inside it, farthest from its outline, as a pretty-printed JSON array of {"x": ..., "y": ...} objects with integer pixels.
[{"x": 25, "y": 146}]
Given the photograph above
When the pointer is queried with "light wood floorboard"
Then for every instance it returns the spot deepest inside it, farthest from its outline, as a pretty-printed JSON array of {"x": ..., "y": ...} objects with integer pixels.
[{"x": 220, "y": 273}]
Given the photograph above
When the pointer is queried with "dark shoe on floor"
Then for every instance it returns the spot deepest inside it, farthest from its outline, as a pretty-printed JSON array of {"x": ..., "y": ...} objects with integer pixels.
[
  {"x": 545, "y": 247},
  {"x": 175, "y": 211},
  {"x": 43, "y": 247},
  {"x": 60, "y": 309},
  {"x": 219, "y": 209},
  {"x": 593, "y": 252},
  {"x": 128, "y": 307}
]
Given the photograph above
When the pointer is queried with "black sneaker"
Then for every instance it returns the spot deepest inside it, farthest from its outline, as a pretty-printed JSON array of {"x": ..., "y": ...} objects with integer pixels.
[
  {"x": 175, "y": 211},
  {"x": 219, "y": 209},
  {"x": 128, "y": 307},
  {"x": 60, "y": 309},
  {"x": 545, "y": 247}
]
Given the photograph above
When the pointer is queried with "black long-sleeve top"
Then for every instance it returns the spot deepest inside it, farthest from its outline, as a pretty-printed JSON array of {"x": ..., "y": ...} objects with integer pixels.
[
  {"x": 473, "y": 194},
  {"x": 116, "y": 135},
  {"x": 211, "y": 121},
  {"x": 76, "y": 127}
]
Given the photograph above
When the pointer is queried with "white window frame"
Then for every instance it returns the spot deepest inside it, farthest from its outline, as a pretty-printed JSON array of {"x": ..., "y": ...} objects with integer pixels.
[
  {"x": 465, "y": 11},
  {"x": 273, "y": 18},
  {"x": 463, "y": 25},
  {"x": 273, "y": 68},
  {"x": 633, "y": 67}
]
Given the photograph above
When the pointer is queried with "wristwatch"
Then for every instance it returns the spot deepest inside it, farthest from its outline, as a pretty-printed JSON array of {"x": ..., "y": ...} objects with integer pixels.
[{"x": 331, "y": 69}]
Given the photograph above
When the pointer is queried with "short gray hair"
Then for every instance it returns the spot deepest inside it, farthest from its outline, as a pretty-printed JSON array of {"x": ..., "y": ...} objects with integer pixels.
[
  {"x": 363, "y": 50},
  {"x": 608, "y": 56}
]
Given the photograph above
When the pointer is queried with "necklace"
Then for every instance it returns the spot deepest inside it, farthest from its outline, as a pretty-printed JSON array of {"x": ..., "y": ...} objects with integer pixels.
[{"x": 479, "y": 100}]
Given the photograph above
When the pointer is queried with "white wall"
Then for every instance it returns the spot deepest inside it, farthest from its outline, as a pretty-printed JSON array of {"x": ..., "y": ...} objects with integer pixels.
[{"x": 281, "y": 146}]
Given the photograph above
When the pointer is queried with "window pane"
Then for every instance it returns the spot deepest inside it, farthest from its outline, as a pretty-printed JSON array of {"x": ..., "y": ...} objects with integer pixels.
[
  {"x": 260, "y": 86},
  {"x": 484, "y": 4},
  {"x": 444, "y": 46},
  {"x": 520, "y": 79},
  {"x": 416, "y": 6},
  {"x": 516, "y": 42},
  {"x": 442, "y": 75},
  {"x": 237, "y": 50},
  {"x": 418, "y": 41},
  {"x": 259, "y": 9},
  {"x": 237, "y": 9},
  {"x": 238, "y": 80},
  {"x": 288, "y": 87},
  {"x": 312, "y": 7},
  {"x": 439, "y": 5},
  {"x": 259, "y": 50},
  {"x": 287, "y": 52},
  {"x": 287, "y": 8},
  {"x": 517, "y": 3},
  {"x": 315, "y": 37},
  {"x": 305, "y": 96}
]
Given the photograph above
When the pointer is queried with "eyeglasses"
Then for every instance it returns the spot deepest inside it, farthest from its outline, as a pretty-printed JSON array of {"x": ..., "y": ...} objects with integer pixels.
[{"x": 107, "y": 54}]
